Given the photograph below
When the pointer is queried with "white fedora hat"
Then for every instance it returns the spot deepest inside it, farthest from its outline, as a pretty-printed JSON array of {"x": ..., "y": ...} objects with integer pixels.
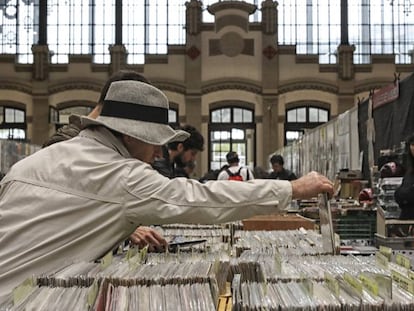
[{"x": 139, "y": 110}]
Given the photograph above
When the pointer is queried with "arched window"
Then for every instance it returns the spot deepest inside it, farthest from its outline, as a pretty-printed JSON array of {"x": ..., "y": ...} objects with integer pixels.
[
  {"x": 61, "y": 116},
  {"x": 231, "y": 129},
  {"x": 300, "y": 118},
  {"x": 12, "y": 123}
]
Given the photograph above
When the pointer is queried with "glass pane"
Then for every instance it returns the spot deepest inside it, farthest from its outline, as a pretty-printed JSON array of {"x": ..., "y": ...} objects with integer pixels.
[
  {"x": 1, "y": 115},
  {"x": 220, "y": 145},
  {"x": 313, "y": 114},
  {"x": 301, "y": 114},
  {"x": 237, "y": 134},
  {"x": 12, "y": 134},
  {"x": 220, "y": 135},
  {"x": 221, "y": 115},
  {"x": 215, "y": 116},
  {"x": 323, "y": 115},
  {"x": 237, "y": 115},
  {"x": 19, "y": 116},
  {"x": 291, "y": 115},
  {"x": 247, "y": 116},
  {"x": 293, "y": 135},
  {"x": 19, "y": 28},
  {"x": 10, "y": 115},
  {"x": 225, "y": 115}
]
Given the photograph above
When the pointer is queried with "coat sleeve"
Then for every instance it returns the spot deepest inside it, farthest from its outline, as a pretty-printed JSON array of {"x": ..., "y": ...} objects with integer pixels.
[{"x": 154, "y": 199}]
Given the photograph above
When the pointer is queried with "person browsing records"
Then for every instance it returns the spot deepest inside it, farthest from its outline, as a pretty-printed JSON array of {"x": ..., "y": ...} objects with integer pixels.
[{"x": 75, "y": 200}]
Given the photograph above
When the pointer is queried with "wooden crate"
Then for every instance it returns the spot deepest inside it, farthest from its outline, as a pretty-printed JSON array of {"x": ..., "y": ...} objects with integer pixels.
[
  {"x": 388, "y": 227},
  {"x": 278, "y": 222},
  {"x": 395, "y": 243},
  {"x": 225, "y": 302}
]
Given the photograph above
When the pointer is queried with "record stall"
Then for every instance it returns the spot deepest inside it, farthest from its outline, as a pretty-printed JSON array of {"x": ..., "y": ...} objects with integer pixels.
[{"x": 226, "y": 268}]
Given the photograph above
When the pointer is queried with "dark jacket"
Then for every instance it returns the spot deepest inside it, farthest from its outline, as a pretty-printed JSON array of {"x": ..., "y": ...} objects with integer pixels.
[
  {"x": 66, "y": 132},
  {"x": 283, "y": 175},
  {"x": 164, "y": 166},
  {"x": 404, "y": 196}
]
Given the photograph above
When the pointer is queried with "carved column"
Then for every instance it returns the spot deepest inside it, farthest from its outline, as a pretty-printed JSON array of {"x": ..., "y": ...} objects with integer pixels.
[
  {"x": 269, "y": 17},
  {"x": 270, "y": 80},
  {"x": 193, "y": 76},
  {"x": 118, "y": 58},
  {"x": 193, "y": 17},
  {"x": 346, "y": 62},
  {"x": 40, "y": 70}
]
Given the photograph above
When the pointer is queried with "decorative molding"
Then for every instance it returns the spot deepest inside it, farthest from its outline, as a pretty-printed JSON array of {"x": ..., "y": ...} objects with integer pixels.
[
  {"x": 15, "y": 86},
  {"x": 228, "y": 5},
  {"x": 308, "y": 85},
  {"x": 75, "y": 103},
  {"x": 231, "y": 103},
  {"x": 171, "y": 86},
  {"x": 13, "y": 104},
  {"x": 269, "y": 52},
  {"x": 75, "y": 85},
  {"x": 221, "y": 85},
  {"x": 368, "y": 85},
  {"x": 193, "y": 52},
  {"x": 308, "y": 103}
]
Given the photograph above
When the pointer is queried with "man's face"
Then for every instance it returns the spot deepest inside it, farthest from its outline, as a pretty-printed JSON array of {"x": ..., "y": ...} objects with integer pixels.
[
  {"x": 141, "y": 150},
  {"x": 277, "y": 167},
  {"x": 189, "y": 155}
]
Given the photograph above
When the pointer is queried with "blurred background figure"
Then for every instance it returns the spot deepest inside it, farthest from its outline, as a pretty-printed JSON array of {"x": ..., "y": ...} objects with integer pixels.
[
  {"x": 279, "y": 172},
  {"x": 404, "y": 195},
  {"x": 235, "y": 171}
]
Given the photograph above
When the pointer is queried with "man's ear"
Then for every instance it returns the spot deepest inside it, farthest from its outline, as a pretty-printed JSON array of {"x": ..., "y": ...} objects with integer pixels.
[{"x": 180, "y": 147}]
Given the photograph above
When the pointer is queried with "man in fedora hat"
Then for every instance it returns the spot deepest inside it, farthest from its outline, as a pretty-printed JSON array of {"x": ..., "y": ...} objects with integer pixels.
[
  {"x": 143, "y": 235},
  {"x": 75, "y": 200}
]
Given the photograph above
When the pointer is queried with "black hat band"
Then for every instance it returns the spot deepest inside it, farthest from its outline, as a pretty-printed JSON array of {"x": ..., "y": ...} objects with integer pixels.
[{"x": 124, "y": 110}]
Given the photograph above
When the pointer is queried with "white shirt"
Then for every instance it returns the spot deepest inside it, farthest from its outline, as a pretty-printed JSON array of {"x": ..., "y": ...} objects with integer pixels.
[{"x": 75, "y": 200}]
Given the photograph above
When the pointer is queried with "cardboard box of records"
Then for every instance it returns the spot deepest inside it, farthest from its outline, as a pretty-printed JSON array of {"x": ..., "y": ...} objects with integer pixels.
[{"x": 278, "y": 222}]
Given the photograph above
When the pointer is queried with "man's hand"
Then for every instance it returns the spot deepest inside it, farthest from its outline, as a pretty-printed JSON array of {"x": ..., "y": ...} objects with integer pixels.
[
  {"x": 311, "y": 185},
  {"x": 144, "y": 236}
]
